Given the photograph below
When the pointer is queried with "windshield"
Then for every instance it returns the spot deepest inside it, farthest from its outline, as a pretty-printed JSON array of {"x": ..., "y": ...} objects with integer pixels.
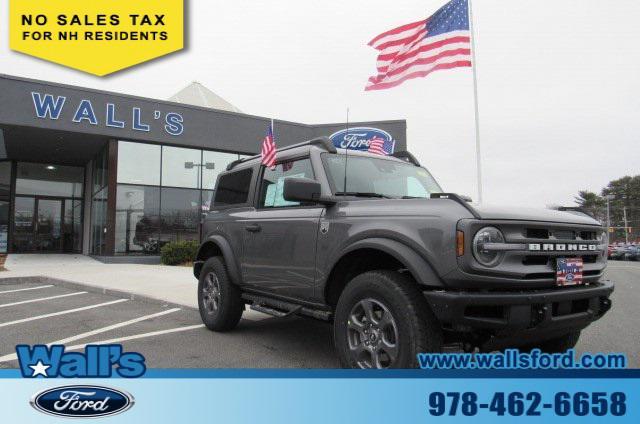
[{"x": 378, "y": 177}]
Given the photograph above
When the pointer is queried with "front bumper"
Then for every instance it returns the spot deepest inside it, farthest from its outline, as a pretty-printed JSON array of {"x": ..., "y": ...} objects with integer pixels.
[{"x": 503, "y": 313}]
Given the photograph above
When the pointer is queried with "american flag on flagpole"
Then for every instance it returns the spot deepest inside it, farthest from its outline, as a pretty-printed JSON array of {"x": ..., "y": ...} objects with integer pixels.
[
  {"x": 442, "y": 41},
  {"x": 268, "y": 152}
]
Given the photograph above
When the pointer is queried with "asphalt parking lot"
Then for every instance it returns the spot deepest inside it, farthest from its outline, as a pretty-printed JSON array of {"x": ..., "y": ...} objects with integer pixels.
[{"x": 174, "y": 337}]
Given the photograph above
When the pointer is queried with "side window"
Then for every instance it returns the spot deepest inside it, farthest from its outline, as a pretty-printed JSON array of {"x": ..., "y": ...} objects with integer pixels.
[
  {"x": 233, "y": 188},
  {"x": 272, "y": 184}
]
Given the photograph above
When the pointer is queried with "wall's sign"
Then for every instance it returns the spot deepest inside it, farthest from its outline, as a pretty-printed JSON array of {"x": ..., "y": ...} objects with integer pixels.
[
  {"x": 48, "y": 106},
  {"x": 369, "y": 139}
]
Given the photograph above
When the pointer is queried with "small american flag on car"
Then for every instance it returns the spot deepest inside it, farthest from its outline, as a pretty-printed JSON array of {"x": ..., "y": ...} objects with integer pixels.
[
  {"x": 379, "y": 146},
  {"x": 442, "y": 41},
  {"x": 569, "y": 271},
  {"x": 268, "y": 152}
]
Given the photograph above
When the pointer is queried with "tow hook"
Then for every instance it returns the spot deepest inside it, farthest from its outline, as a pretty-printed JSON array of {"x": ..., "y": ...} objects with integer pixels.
[
  {"x": 605, "y": 305},
  {"x": 539, "y": 313}
]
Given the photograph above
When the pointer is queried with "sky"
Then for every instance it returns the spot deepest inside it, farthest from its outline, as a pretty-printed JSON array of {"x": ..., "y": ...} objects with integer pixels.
[{"x": 558, "y": 84}]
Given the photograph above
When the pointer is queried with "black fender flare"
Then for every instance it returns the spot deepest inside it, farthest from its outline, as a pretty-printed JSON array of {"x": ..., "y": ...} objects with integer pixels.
[
  {"x": 419, "y": 267},
  {"x": 233, "y": 268}
]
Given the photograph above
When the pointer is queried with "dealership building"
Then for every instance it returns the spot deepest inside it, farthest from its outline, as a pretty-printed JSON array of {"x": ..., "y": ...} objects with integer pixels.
[{"x": 108, "y": 174}]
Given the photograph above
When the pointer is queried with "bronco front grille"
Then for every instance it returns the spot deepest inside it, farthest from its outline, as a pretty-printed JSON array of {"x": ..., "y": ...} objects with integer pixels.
[
  {"x": 545, "y": 259},
  {"x": 532, "y": 248},
  {"x": 535, "y": 260},
  {"x": 537, "y": 233},
  {"x": 560, "y": 234},
  {"x": 589, "y": 235},
  {"x": 542, "y": 265}
]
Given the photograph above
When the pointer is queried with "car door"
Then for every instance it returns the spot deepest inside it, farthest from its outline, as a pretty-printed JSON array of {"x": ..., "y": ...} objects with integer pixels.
[{"x": 280, "y": 236}]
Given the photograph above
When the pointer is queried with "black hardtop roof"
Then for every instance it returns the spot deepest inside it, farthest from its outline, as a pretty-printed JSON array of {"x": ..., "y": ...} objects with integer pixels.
[
  {"x": 325, "y": 144},
  {"x": 322, "y": 142}
]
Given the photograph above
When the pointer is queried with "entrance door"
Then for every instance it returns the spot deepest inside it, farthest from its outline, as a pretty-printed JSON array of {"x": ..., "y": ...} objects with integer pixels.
[
  {"x": 46, "y": 224},
  {"x": 22, "y": 237}
]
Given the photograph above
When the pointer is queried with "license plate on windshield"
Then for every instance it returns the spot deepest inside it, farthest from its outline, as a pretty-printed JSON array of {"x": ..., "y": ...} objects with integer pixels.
[{"x": 569, "y": 271}]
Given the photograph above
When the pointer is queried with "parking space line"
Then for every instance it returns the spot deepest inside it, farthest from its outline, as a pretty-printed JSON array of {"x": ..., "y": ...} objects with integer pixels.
[
  {"x": 28, "y": 288},
  {"x": 13, "y": 356},
  {"x": 111, "y": 327},
  {"x": 67, "y": 311},
  {"x": 137, "y": 336},
  {"x": 42, "y": 299}
]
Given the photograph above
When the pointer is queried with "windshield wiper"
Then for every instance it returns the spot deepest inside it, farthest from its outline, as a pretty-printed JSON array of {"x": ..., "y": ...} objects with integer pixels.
[
  {"x": 413, "y": 197},
  {"x": 362, "y": 194}
]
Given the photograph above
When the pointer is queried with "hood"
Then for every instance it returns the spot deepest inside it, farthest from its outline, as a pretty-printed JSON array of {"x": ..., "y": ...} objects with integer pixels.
[
  {"x": 451, "y": 208},
  {"x": 533, "y": 214}
]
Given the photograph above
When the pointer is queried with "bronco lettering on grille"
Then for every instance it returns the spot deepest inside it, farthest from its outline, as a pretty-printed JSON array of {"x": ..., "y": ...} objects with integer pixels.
[{"x": 562, "y": 247}]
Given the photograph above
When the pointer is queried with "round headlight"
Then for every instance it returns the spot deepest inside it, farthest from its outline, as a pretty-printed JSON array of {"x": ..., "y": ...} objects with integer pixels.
[{"x": 485, "y": 256}]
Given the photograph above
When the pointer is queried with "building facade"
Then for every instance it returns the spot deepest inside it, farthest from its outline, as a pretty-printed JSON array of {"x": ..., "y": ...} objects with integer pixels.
[{"x": 108, "y": 174}]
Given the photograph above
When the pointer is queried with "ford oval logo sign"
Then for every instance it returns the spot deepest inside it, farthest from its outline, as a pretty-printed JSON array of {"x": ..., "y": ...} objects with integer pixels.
[
  {"x": 82, "y": 401},
  {"x": 365, "y": 139}
]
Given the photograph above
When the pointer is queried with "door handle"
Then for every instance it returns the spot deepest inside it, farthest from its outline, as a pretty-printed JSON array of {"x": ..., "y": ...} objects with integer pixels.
[{"x": 253, "y": 228}]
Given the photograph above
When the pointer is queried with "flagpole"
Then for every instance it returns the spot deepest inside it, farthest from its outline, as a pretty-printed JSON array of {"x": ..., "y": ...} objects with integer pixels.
[
  {"x": 474, "y": 67},
  {"x": 273, "y": 133}
]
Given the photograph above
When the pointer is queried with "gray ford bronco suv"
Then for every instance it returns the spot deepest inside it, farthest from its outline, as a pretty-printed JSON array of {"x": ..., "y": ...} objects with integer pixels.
[{"x": 398, "y": 266}]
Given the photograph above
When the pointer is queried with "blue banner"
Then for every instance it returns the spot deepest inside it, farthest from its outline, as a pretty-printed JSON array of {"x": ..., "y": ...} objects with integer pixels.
[{"x": 347, "y": 396}]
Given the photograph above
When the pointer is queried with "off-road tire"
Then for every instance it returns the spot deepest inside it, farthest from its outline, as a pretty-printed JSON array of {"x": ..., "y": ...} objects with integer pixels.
[
  {"x": 229, "y": 306},
  {"x": 416, "y": 328}
]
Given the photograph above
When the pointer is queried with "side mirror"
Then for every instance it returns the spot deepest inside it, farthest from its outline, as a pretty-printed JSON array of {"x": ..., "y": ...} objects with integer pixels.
[{"x": 301, "y": 190}]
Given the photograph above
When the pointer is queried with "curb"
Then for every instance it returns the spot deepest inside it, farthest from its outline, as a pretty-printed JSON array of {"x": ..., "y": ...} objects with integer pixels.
[{"x": 92, "y": 289}]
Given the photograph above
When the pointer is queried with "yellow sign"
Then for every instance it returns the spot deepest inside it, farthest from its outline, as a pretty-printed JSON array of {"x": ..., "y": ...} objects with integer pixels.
[{"x": 96, "y": 36}]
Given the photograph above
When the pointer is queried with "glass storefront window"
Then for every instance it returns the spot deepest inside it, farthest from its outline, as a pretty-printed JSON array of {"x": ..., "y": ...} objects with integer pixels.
[
  {"x": 4, "y": 225},
  {"x": 207, "y": 198},
  {"x": 99, "y": 194},
  {"x": 22, "y": 237},
  {"x": 72, "y": 226},
  {"x": 137, "y": 219},
  {"x": 99, "y": 222},
  {"x": 5, "y": 185},
  {"x": 5, "y": 180},
  {"x": 100, "y": 173},
  {"x": 49, "y": 180},
  {"x": 161, "y": 194},
  {"x": 138, "y": 163},
  {"x": 213, "y": 164},
  {"x": 180, "y": 212},
  {"x": 181, "y": 167},
  {"x": 48, "y": 225}
]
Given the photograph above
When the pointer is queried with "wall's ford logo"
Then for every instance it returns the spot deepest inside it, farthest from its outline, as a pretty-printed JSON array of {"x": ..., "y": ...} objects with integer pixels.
[
  {"x": 562, "y": 247},
  {"x": 96, "y": 361},
  {"x": 360, "y": 138},
  {"x": 82, "y": 401},
  {"x": 86, "y": 111}
]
